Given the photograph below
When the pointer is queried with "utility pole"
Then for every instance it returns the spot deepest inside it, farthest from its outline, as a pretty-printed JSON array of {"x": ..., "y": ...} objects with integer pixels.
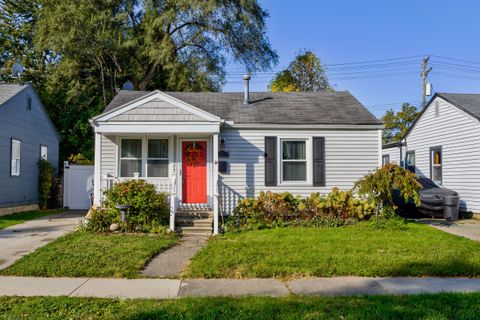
[{"x": 425, "y": 72}]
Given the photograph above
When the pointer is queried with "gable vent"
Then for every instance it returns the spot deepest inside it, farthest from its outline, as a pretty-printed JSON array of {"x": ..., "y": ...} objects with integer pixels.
[
  {"x": 29, "y": 103},
  {"x": 437, "y": 109}
]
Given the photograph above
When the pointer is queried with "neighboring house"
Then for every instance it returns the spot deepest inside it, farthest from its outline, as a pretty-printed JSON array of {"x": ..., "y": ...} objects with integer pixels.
[
  {"x": 207, "y": 146},
  {"x": 26, "y": 135},
  {"x": 392, "y": 153},
  {"x": 443, "y": 145}
]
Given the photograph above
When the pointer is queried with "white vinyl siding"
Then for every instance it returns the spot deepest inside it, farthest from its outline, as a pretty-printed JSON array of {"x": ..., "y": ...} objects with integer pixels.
[
  {"x": 109, "y": 156},
  {"x": 349, "y": 155},
  {"x": 457, "y": 133},
  {"x": 393, "y": 153}
]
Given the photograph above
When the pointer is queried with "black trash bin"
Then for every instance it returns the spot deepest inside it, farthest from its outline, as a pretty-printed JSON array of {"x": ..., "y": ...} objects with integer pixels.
[{"x": 451, "y": 205}]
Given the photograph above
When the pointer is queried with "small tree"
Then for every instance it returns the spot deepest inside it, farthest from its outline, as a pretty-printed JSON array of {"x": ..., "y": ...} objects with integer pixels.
[
  {"x": 45, "y": 182},
  {"x": 379, "y": 186}
]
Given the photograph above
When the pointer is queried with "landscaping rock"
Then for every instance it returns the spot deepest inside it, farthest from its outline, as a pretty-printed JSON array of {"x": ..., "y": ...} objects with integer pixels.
[{"x": 114, "y": 227}]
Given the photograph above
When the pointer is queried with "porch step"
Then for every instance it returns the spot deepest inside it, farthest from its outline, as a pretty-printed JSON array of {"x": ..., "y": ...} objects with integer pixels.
[
  {"x": 198, "y": 214},
  {"x": 194, "y": 222},
  {"x": 197, "y": 230}
]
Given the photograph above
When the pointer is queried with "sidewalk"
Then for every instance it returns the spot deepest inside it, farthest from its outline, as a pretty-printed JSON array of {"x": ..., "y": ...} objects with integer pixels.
[{"x": 171, "y": 289}]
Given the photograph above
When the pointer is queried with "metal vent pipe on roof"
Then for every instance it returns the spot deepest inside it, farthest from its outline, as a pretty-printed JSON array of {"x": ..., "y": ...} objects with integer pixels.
[{"x": 246, "y": 92}]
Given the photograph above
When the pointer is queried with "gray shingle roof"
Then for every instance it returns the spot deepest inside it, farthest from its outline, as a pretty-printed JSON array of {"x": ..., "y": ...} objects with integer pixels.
[
  {"x": 468, "y": 102},
  {"x": 9, "y": 90},
  {"x": 271, "y": 107}
]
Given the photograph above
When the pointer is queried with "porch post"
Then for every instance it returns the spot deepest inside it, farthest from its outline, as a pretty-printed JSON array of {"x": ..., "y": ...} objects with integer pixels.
[
  {"x": 97, "y": 174},
  {"x": 215, "y": 184}
]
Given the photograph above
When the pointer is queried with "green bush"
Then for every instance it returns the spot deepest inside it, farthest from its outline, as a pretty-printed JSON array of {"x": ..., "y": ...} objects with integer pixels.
[
  {"x": 270, "y": 210},
  {"x": 378, "y": 186},
  {"x": 148, "y": 212},
  {"x": 45, "y": 182}
]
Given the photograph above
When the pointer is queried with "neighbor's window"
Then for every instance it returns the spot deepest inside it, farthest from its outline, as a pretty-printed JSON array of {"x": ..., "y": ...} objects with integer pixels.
[
  {"x": 157, "y": 162},
  {"x": 385, "y": 159},
  {"x": 293, "y": 160},
  {"x": 15, "y": 160},
  {"x": 410, "y": 161},
  {"x": 436, "y": 164},
  {"x": 131, "y": 157},
  {"x": 44, "y": 152}
]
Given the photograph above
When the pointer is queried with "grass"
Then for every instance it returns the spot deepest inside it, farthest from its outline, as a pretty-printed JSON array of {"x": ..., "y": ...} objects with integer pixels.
[
  {"x": 16, "y": 218},
  {"x": 360, "y": 250},
  {"x": 85, "y": 254},
  {"x": 437, "y": 306}
]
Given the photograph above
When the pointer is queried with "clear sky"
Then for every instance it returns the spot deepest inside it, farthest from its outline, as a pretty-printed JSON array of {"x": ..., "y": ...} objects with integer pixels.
[{"x": 355, "y": 31}]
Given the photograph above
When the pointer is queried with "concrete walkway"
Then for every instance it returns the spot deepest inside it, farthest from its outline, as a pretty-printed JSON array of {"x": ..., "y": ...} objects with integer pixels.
[
  {"x": 169, "y": 263},
  {"x": 464, "y": 228},
  {"x": 21, "y": 239},
  {"x": 172, "y": 288}
]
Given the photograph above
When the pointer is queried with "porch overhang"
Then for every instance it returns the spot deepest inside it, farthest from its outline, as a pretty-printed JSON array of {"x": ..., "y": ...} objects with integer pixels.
[{"x": 156, "y": 127}]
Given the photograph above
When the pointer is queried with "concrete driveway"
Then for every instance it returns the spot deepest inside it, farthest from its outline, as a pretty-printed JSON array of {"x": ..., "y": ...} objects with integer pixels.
[
  {"x": 464, "y": 228},
  {"x": 22, "y": 239}
]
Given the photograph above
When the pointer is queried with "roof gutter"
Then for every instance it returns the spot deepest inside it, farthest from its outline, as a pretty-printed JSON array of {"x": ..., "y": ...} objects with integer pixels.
[{"x": 304, "y": 126}]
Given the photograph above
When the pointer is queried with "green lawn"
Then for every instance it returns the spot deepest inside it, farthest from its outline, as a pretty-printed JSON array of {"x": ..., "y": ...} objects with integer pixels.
[
  {"x": 84, "y": 254},
  {"x": 16, "y": 218},
  {"x": 361, "y": 250},
  {"x": 438, "y": 306}
]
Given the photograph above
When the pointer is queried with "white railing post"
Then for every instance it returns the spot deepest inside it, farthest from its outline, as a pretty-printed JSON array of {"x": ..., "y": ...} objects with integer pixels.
[
  {"x": 172, "y": 212},
  {"x": 215, "y": 184}
]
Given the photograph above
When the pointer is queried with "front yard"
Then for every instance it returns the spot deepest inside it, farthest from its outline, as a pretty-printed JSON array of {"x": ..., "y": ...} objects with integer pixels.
[
  {"x": 20, "y": 217},
  {"x": 437, "y": 306},
  {"x": 360, "y": 250},
  {"x": 85, "y": 254}
]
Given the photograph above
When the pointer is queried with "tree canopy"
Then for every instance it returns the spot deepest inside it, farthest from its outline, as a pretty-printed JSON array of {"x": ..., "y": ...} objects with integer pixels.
[
  {"x": 398, "y": 123},
  {"x": 78, "y": 53},
  {"x": 304, "y": 73}
]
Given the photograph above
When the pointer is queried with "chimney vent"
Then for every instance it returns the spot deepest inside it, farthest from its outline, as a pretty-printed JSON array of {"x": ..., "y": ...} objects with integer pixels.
[{"x": 246, "y": 93}]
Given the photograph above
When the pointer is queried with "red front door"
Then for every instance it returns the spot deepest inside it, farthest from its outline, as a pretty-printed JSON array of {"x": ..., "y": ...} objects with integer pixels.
[{"x": 194, "y": 168}]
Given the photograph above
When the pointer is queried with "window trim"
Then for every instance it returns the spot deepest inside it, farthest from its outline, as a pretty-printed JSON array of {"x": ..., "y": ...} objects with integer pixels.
[
  {"x": 385, "y": 156},
  {"x": 148, "y": 158},
  {"x": 43, "y": 146},
  {"x": 432, "y": 149},
  {"x": 144, "y": 139},
  {"x": 120, "y": 158},
  {"x": 308, "y": 160},
  {"x": 409, "y": 152},
  {"x": 12, "y": 139}
]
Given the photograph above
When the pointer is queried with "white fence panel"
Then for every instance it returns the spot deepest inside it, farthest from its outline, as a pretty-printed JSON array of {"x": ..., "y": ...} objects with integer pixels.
[{"x": 77, "y": 186}]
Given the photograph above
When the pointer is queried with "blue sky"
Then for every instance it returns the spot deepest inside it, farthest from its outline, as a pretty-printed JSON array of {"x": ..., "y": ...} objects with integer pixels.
[{"x": 355, "y": 31}]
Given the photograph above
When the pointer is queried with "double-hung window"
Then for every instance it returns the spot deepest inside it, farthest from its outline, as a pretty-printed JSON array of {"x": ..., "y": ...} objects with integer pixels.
[
  {"x": 131, "y": 157},
  {"x": 293, "y": 160},
  {"x": 436, "y": 164},
  {"x": 385, "y": 159},
  {"x": 157, "y": 162},
  {"x": 43, "y": 152},
  {"x": 15, "y": 158}
]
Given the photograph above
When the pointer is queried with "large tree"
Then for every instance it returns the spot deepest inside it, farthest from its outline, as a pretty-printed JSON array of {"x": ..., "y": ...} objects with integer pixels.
[
  {"x": 82, "y": 51},
  {"x": 398, "y": 123},
  {"x": 304, "y": 73}
]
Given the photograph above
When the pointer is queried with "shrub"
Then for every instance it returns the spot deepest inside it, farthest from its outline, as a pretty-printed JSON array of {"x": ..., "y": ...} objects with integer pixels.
[
  {"x": 379, "y": 185},
  {"x": 148, "y": 212},
  {"x": 45, "y": 181},
  {"x": 271, "y": 210}
]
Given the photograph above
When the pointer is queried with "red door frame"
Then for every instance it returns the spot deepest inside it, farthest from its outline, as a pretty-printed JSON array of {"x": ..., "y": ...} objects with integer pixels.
[{"x": 194, "y": 190}]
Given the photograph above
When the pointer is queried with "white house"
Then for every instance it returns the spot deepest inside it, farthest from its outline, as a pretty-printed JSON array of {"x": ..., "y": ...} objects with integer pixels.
[
  {"x": 442, "y": 145},
  {"x": 208, "y": 150}
]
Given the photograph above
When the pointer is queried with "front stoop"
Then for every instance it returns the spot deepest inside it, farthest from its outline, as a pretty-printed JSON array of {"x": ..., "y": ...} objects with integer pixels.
[{"x": 194, "y": 222}]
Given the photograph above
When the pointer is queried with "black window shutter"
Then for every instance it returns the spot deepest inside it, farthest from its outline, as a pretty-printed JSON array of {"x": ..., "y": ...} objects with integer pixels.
[
  {"x": 319, "y": 161},
  {"x": 270, "y": 161}
]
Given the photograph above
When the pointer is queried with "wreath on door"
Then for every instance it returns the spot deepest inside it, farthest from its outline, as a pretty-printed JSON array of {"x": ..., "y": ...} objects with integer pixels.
[{"x": 194, "y": 154}]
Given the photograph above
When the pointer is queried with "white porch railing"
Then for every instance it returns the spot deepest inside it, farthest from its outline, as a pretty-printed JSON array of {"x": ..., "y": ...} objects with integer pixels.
[{"x": 166, "y": 185}]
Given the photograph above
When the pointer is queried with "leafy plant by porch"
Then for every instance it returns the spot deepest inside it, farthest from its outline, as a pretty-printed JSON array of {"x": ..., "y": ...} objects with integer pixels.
[
  {"x": 423, "y": 306},
  {"x": 364, "y": 249},
  {"x": 85, "y": 254},
  {"x": 148, "y": 211},
  {"x": 271, "y": 210},
  {"x": 20, "y": 217}
]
